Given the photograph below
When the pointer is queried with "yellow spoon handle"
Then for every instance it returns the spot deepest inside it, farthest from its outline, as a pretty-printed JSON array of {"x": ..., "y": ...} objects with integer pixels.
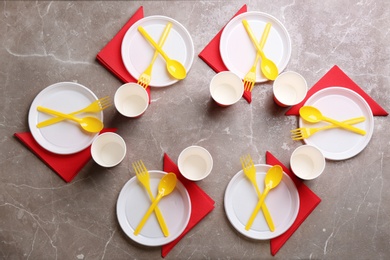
[
  {"x": 161, "y": 41},
  {"x": 147, "y": 214},
  {"x": 345, "y": 126},
  {"x": 263, "y": 39},
  {"x": 265, "y": 210},
  {"x": 57, "y": 113},
  {"x": 152, "y": 42},
  {"x": 257, "y": 208},
  {"x": 253, "y": 38},
  {"x": 264, "y": 36},
  {"x": 351, "y": 121},
  {"x": 159, "y": 215}
]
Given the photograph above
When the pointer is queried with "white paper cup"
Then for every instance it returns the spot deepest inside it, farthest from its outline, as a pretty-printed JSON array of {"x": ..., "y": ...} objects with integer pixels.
[
  {"x": 307, "y": 162},
  {"x": 289, "y": 89},
  {"x": 108, "y": 149},
  {"x": 131, "y": 100},
  {"x": 226, "y": 88},
  {"x": 195, "y": 163}
]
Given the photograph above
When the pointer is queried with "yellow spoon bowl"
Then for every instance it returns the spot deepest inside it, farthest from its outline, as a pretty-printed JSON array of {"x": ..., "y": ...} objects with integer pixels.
[
  {"x": 166, "y": 186},
  {"x": 313, "y": 115},
  {"x": 89, "y": 123},
  {"x": 268, "y": 67},
  {"x": 174, "y": 67}
]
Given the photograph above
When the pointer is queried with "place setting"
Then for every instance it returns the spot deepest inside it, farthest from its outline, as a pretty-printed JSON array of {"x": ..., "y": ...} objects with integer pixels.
[{"x": 153, "y": 51}]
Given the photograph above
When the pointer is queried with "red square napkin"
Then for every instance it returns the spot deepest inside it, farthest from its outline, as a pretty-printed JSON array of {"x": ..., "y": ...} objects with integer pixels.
[
  {"x": 110, "y": 56},
  {"x": 201, "y": 203},
  {"x": 335, "y": 77},
  {"x": 211, "y": 55},
  {"x": 65, "y": 165},
  {"x": 308, "y": 201}
]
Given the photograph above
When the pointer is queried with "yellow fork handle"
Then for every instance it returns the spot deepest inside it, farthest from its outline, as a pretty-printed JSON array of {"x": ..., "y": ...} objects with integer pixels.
[
  {"x": 152, "y": 42},
  {"x": 257, "y": 208},
  {"x": 161, "y": 41},
  {"x": 159, "y": 216},
  {"x": 351, "y": 121},
  {"x": 266, "y": 213},
  {"x": 253, "y": 38},
  {"x": 147, "y": 214},
  {"x": 345, "y": 126}
]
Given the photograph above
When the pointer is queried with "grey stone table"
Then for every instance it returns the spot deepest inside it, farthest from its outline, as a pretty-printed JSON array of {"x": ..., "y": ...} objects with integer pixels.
[{"x": 42, "y": 217}]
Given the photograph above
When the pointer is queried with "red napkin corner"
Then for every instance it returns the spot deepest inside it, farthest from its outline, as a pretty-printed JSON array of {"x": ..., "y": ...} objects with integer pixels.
[
  {"x": 336, "y": 77},
  {"x": 308, "y": 201},
  {"x": 111, "y": 57},
  {"x": 201, "y": 203},
  {"x": 211, "y": 55},
  {"x": 65, "y": 165}
]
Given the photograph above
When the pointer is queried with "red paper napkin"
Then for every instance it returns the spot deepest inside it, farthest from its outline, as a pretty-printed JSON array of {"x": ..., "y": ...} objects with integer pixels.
[
  {"x": 65, "y": 165},
  {"x": 110, "y": 56},
  {"x": 201, "y": 203},
  {"x": 335, "y": 77},
  {"x": 308, "y": 202},
  {"x": 211, "y": 55}
]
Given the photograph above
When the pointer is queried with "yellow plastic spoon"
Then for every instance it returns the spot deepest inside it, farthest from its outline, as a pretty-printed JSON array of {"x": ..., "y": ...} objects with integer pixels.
[
  {"x": 313, "y": 115},
  {"x": 268, "y": 67},
  {"x": 166, "y": 186},
  {"x": 89, "y": 123},
  {"x": 272, "y": 179},
  {"x": 174, "y": 67}
]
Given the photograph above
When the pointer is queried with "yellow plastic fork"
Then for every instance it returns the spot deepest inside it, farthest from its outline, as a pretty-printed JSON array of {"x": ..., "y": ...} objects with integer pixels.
[
  {"x": 146, "y": 76},
  {"x": 94, "y": 107},
  {"x": 250, "y": 77},
  {"x": 306, "y": 132},
  {"x": 250, "y": 172},
  {"x": 143, "y": 177}
]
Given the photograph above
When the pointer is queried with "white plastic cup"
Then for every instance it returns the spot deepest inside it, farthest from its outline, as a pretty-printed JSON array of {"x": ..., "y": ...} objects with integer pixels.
[
  {"x": 307, "y": 162},
  {"x": 108, "y": 149},
  {"x": 131, "y": 100},
  {"x": 195, "y": 163},
  {"x": 289, "y": 88},
  {"x": 226, "y": 88}
]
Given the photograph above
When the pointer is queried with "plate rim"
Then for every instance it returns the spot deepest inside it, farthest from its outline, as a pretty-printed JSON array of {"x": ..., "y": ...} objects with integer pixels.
[
  {"x": 368, "y": 135},
  {"x": 271, "y": 235},
  {"x": 33, "y": 113},
  {"x": 164, "y": 18},
  {"x": 129, "y": 231},
  {"x": 281, "y": 67}
]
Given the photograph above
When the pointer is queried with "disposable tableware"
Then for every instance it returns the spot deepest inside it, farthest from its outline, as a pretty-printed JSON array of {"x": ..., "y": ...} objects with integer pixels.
[
  {"x": 268, "y": 67},
  {"x": 306, "y": 132},
  {"x": 272, "y": 179},
  {"x": 88, "y": 123},
  {"x": 96, "y": 106},
  {"x": 143, "y": 177},
  {"x": 146, "y": 76},
  {"x": 166, "y": 186},
  {"x": 174, "y": 67},
  {"x": 250, "y": 172},
  {"x": 313, "y": 115},
  {"x": 250, "y": 77}
]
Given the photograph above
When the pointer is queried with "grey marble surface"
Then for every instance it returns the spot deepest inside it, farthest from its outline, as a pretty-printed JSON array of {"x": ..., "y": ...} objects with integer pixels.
[{"x": 42, "y": 217}]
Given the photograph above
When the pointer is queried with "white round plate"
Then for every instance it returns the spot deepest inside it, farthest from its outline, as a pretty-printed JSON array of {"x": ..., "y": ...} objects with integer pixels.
[
  {"x": 137, "y": 52},
  {"x": 133, "y": 202},
  {"x": 241, "y": 198},
  {"x": 238, "y": 52},
  {"x": 341, "y": 104},
  {"x": 65, "y": 137}
]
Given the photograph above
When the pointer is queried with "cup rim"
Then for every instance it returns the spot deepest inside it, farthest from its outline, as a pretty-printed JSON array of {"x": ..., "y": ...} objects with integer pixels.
[
  {"x": 238, "y": 96},
  {"x": 99, "y": 138},
  {"x": 323, "y": 161},
  {"x": 127, "y": 85},
  {"x": 205, "y": 151},
  {"x": 296, "y": 101}
]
